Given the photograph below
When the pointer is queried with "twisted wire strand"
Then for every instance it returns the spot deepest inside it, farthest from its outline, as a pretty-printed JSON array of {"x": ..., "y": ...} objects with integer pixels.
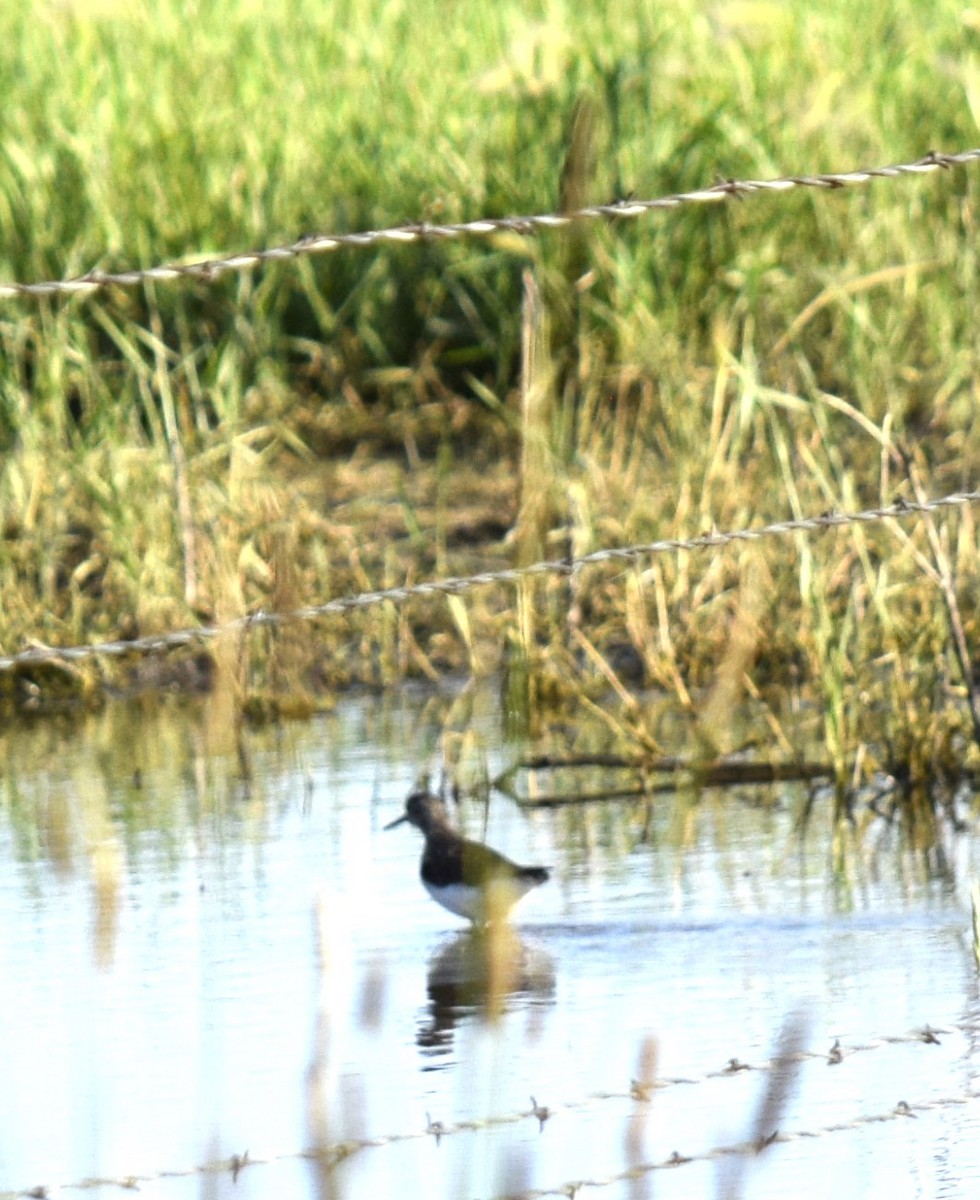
[
  {"x": 457, "y": 585},
  {"x": 420, "y": 231},
  {"x": 901, "y": 1111},
  {"x": 639, "y": 1093}
]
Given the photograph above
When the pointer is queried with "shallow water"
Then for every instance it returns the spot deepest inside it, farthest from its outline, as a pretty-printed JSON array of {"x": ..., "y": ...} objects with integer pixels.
[{"x": 193, "y": 967}]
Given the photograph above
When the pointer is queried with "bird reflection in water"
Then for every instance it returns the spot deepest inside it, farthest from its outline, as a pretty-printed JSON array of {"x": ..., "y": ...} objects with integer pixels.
[{"x": 483, "y": 972}]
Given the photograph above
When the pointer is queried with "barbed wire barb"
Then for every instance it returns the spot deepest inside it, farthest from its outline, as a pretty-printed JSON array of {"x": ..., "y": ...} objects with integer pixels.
[
  {"x": 213, "y": 268},
  {"x": 456, "y": 585}
]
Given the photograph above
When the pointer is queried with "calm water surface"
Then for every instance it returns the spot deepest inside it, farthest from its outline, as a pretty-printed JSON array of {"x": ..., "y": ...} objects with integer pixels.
[{"x": 194, "y": 967}]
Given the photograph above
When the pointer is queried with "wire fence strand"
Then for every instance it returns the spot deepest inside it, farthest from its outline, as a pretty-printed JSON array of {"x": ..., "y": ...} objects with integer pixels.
[
  {"x": 638, "y": 1094},
  {"x": 457, "y": 585},
  {"x": 902, "y": 1110},
  {"x": 210, "y": 269}
]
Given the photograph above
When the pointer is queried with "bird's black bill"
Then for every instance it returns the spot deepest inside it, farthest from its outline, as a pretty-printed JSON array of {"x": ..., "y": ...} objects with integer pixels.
[{"x": 397, "y": 821}]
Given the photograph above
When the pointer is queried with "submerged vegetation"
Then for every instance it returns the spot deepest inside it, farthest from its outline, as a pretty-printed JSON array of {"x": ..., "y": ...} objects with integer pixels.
[{"x": 185, "y": 452}]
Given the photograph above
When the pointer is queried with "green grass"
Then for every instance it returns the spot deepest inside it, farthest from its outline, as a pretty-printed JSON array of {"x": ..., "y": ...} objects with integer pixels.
[{"x": 194, "y": 450}]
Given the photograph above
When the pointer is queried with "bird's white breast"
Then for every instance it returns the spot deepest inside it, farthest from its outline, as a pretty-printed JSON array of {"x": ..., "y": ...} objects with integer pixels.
[{"x": 492, "y": 901}]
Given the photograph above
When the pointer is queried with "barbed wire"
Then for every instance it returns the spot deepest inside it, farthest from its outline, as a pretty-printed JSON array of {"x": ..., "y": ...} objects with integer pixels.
[
  {"x": 901, "y": 1111},
  {"x": 457, "y": 585},
  {"x": 639, "y": 1092},
  {"x": 419, "y": 231}
]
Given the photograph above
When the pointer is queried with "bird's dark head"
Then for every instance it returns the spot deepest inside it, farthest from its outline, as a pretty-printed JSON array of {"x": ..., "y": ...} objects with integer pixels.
[{"x": 424, "y": 811}]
